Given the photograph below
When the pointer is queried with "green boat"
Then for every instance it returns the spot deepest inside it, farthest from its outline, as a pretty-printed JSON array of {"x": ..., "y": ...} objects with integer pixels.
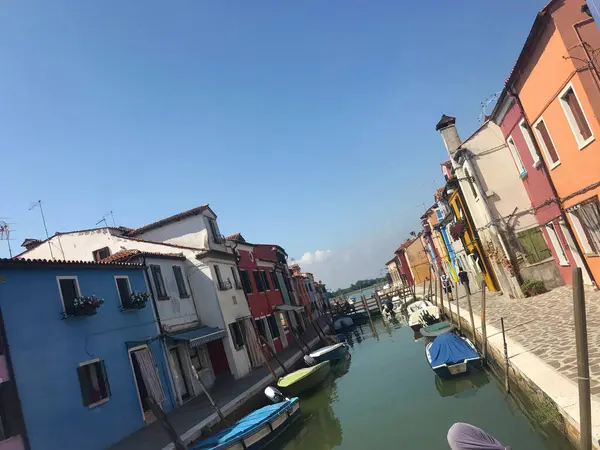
[
  {"x": 436, "y": 329},
  {"x": 304, "y": 379}
]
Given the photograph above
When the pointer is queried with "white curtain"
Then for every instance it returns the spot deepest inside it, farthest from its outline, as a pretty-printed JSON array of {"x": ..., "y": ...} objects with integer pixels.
[
  {"x": 254, "y": 351},
  {"x": 145, "y": 359}
]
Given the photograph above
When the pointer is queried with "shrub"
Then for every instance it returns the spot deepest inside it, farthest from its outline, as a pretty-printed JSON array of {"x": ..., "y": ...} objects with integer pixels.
[{"x": 533, "y": 287}]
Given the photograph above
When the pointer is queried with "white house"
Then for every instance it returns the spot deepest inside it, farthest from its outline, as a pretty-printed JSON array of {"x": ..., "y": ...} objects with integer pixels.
[{"x": 214, "y": 298}]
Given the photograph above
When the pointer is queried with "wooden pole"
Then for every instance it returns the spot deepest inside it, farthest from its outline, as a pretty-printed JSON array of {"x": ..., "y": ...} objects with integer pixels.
[
  {"x": 457, "y": 306},
  {"x": 442, "y": 298},
  {"x": 483, "y": 325},
  {"x": 264, "y": 341},
  {"x": 583, "y": 366},
  {"x": 506, "y": 367},
  {"x": 210, "y": 399},
  {"x": 378, "y": 300},
  {"x": 294, "y": 335},
  {"x": 166, "y": 424},
  {"x": 435, "y": 292},
  {"x": 366, "y": 305},
  {"x": 425, "y": 286},
  {"x": 474, "y": 335}
]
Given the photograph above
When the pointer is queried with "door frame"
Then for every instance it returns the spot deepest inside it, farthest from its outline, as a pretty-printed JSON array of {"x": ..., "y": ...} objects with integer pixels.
[
  {"x": 130, "y": 354},
  {"x": 191, "y": 392}
]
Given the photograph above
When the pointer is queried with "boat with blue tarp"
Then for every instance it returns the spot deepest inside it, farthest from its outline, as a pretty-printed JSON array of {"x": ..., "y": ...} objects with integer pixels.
[
  {"x": 255, "y": 430},
  {"x": 450, "y": 355}
]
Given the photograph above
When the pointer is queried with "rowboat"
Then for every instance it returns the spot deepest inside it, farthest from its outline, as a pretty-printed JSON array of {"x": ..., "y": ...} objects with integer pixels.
[
  {"x": 257, "y": 429},
  {"x": 436, "y": 329},
  {"x": 330, "y": 353},
  {"x": 450, "y": 355},
  {"x": 415, "y": 321},
  {"x": 304, "y": 379}
]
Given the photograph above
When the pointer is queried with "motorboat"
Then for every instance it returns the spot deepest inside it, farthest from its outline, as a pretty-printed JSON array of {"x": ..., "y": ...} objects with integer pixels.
[
  {"x": 436, "y": 329},
  {"x": 415, "y": 320},
  {"x": 330, "y": 353},
  {"x": 342, "y": 323},
  {"x": 414, "y": 306},
  {"x": 450, "y": 355},
  {"x": 257, "y": 429},
  {"x": 303, "y": 380}
]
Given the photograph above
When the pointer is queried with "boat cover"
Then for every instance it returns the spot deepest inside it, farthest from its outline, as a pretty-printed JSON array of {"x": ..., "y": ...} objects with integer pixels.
[
  {"x": 253, "y": 420},
  {"x": 437, "y": 326},
  {"x": 463, "y": 436},
  {"x": 448, "y": 348}
]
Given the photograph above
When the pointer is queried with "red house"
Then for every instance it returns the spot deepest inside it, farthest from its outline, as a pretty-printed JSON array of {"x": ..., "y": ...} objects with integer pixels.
[
  {"x": 265, "y": 278},
  {"x": 403, "y": 266}
]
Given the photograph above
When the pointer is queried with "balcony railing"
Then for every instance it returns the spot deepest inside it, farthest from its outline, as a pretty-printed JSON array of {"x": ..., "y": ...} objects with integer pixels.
[{"x": 224, "y": 285}]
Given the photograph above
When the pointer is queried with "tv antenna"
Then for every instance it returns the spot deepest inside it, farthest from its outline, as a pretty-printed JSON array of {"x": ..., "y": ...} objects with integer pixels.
[
  {"x": 491, "y": 100},
  {"x": 5, "y": 235},
  {"x": 110, "y": 213},
  {"x": 39, "y": 204}
]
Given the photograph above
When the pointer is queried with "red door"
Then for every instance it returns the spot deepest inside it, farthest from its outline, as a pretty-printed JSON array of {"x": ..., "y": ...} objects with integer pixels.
[{"x": 218, "y": 358}]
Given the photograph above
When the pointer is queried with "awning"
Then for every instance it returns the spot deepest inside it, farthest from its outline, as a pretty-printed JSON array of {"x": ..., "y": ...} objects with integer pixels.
[
  {"x": 200, "y": 336},
  {"x": 288, "y": 308}
]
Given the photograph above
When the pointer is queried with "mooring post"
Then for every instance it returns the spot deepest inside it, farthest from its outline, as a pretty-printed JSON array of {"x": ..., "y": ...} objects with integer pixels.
[
  {"x": 472, "y": 318},
  {"x": 506, "y": 368},
  {"x": 483, "y": 327},
  {"x": 458, "y": 307},
  {"x": 264, "y": 341},
  {"x": 442, "y": 298},
  {"x": 378, "y": 300},
  {"x": 583, "y": 365}
]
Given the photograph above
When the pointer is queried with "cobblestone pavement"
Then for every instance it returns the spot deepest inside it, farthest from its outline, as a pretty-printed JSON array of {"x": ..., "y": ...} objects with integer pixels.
[{"x": 544, "y": 325}]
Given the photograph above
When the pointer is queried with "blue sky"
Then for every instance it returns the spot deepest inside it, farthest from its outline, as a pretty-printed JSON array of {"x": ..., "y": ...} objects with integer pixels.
[{"x": 307, "y": 124}]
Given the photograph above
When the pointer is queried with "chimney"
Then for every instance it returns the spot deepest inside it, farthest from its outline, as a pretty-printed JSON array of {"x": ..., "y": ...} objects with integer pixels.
[
  {"x": 30, "y": 243},
  {"x": 449, "y": 134}
]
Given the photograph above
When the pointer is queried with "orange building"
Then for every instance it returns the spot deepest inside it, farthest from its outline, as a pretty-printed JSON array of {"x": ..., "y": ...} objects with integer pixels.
[
  {"x": 417, "y": 260},
  {"x": 557, "y": 83}
]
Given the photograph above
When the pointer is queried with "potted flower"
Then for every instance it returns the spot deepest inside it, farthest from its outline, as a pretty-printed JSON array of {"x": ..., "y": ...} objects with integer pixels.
[
  {"x": 137, "y": 300},
  {"x": 457, "y": 229},
  {"x": 86, "y": 305}
]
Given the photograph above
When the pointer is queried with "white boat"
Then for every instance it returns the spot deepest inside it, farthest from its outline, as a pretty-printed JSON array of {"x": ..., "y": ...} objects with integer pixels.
[
  {"x": 415, "y": 306},
  {"x": 415, "y": 321}
]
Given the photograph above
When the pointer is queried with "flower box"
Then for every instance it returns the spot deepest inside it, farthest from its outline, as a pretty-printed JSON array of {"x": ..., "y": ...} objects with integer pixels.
[
  {"x": 85, "y": 306},
  {"x": 137, "y": 300}
]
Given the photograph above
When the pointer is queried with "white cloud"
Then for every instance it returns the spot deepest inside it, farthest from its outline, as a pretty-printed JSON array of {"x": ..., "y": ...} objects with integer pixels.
[{"x": 314, "y": 257}]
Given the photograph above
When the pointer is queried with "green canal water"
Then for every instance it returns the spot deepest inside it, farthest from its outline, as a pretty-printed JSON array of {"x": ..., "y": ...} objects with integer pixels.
[{"x": 390, "y": 398}]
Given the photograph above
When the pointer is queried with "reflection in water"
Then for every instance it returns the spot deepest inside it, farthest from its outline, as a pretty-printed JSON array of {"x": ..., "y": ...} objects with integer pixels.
[
  {"x": 416, "y": 335},
  {"x": 321, "y": 429},
  {"x": 461, "y": 387}
]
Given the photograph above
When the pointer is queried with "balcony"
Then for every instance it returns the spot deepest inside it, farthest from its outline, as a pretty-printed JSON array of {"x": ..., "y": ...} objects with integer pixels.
[{"x": 224, "y": 285}]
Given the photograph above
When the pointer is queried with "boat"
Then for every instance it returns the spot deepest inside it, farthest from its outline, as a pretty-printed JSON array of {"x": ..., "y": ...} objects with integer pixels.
[
  {"x": 257, "y": 429},
  {"x": 450, "y": 355},
  {"x": 433, "y": 331},
  {"x": 330, "y": 353},
  {"x": 415, "y": 306},
  {"x": 342, "y": 322},
  {"x": 304, "y": 379},
  {"x": 415, "y": 321}
]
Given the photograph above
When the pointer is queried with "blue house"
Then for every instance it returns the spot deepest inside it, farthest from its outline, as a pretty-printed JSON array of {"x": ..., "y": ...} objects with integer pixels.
[{"x": 83, "y": 348}]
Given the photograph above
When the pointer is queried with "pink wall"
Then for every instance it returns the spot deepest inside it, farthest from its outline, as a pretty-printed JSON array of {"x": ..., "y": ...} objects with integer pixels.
[
  {"x": 404, "y": 268},
  {"x": 537, "y": 186},
  {"x": 13, "y": 443}
]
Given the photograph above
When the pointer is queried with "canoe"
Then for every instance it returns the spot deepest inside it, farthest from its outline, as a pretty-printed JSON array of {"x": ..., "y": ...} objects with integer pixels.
[
  {"x": 450, "y": 355},
  {"x": 330, "y": 353},
  {"x": 437, "y": 329},
  {"x": 304, "y": 379},
  {"x": 415, "y": 321},
  {"x": 255, "y": 430}
]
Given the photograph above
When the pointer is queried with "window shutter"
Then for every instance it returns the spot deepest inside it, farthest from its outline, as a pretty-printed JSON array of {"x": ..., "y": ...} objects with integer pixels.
[{"x": 85, "y": 385}]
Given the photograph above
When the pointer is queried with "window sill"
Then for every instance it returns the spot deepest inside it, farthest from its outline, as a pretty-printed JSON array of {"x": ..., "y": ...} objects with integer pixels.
[
  {"x": 164, "y": 298},
  {"x": 554, "y": 165},
  {"x": 537, "y": 164},
  {"x": 592, "y": 255},
  {"x": 101, "y": 402},
  {"x": 586, "y": 143}
]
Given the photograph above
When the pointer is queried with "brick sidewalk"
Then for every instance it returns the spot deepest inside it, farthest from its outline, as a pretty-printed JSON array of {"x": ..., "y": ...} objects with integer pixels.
[
  {"x": 193, "y": 412},
  {"x": 544, "y": 325}
]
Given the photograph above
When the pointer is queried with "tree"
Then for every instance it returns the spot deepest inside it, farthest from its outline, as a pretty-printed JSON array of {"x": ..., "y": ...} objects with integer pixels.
[{"x": 358, "y": 285}]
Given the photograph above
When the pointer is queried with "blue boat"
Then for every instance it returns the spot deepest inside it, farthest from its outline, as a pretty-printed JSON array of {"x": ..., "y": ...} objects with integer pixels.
[
  {"x": 257, "y": 429},
  {"x": 330, "y": 353},
  {"x": 450, "y": 355}
]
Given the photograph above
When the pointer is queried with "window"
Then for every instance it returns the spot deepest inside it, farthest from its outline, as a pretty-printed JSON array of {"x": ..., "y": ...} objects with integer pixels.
[
  {"x": 69, "y": 291},
  {"x": 284, "y": 324},
  {"x": 93, "y": 383},
  {"x": 273, "y": 326},
  {"x": 529, "y": 141},
  {"x": 586, "y": 219},
  {"x": 558, "y": 247},
  {"x": 235, "y": 330},
  {"x": 236, "y": 278},
  {"x": 517, "y": 158},
  {"x": 265, "y": 280},
  {"x": 259, "y": 282},
  {"x": 471, "y": 184},
  {"x": 124, "y": 289},
  {"x": 199, "y": 358},
  {"x": 214, "y": 230},
  {"x": 251, "y": 255},
  {"x": 534, "y": 245},
  {"x": 223, "y": 286},
  {"x": 246, "y": 281},
  {"x": 181, "y": 287},
  {"x": 309, "y": 284},
  {"x": 576, "y": 117},
  {"x": 101, "y": 253},
  {"x": 159, "y": 283},
  {"x": 274, "y": 281},
  {"x": 547, "y": 144},
  {"x": 260, "y": 324}
]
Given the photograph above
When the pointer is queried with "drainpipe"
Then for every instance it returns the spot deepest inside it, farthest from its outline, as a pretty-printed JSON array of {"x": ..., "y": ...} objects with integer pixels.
[
  {"x": 563, "y": 216},
  {"x": 11, "y": 372}
]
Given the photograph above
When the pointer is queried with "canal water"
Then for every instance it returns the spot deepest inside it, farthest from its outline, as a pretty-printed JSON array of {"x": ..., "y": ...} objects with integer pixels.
[{"x": 390, "y": 398}]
